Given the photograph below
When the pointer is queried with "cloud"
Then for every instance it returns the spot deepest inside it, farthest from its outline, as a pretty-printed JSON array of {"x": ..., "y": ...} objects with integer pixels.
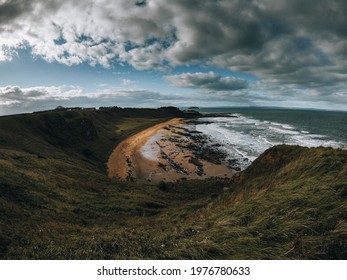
[
  {"x": 17, "y": 94},
  {"x": 148, "y": 57},
  {"x": 127, "y": 82},
  {"x": 14, "y": 99},
  {"x": 287, "y": 42},
  {"x": 11, "y": 9},
  {"x": 207, "y": 81},
  {"x": 69, "y": 92}
]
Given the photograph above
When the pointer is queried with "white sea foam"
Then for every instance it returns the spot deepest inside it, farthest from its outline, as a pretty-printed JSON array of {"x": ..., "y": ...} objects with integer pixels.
[
  {"x": 265, "y": 140},
  {"x": 284, "y": 131},
  {"x": 247, "y": 137},
  {"x": 286, "y": 126},
  {"x": 315, "y": 140}
]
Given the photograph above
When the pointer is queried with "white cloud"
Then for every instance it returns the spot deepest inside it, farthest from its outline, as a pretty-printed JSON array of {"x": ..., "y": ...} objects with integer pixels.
[
  {"x": 14, "y": 99},
  {"x": 38, "y": 93},
  {"x": 143, "y": 58},
  {"x": 127, "y": 82}
]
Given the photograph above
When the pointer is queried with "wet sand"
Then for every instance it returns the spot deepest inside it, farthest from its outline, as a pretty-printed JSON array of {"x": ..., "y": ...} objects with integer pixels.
[{"x": 164, "y": 152}]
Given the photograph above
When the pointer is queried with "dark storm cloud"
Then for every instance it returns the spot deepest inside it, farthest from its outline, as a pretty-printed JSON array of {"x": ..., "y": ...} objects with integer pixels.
[
  {"x": 11, "y": 9},
  {"x": 212, "y": 28},
  {"x": 277, "y": 39},
  {"x": 314, "y": 16},
  {"x": 207, "y": 81}
]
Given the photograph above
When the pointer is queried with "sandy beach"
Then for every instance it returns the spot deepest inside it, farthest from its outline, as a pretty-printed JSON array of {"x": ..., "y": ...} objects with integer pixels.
[{"x": 164, "y": 152}]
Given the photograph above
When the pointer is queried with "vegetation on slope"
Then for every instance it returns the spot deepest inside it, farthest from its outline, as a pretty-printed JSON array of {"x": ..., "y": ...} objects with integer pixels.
[
  {"x": 289, "y": 204},
  {"x": 56, "y": 201}
]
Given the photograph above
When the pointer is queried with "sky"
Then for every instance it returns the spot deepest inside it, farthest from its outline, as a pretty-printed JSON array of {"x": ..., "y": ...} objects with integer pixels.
[{"x": 152, "y": 53}]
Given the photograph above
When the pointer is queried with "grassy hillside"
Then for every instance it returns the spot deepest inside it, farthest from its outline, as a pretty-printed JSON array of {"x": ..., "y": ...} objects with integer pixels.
[
  {"x": 87, "y": 133},
  {"x": 289, "y": 204},
  {"x": 56, "y": 201}
]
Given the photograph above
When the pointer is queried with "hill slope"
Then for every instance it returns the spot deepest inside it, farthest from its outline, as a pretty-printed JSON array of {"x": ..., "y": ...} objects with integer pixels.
[
  {"x": 289, "y": 204},
  {"x": 56, "y": 201}
]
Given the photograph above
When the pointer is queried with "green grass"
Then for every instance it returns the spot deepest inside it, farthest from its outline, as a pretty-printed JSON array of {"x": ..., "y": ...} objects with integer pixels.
[{"x": 56, "y": 201}]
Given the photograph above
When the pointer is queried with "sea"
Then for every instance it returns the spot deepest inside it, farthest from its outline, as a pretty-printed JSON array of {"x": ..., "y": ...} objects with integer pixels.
[{"x": 244, "y": 133}]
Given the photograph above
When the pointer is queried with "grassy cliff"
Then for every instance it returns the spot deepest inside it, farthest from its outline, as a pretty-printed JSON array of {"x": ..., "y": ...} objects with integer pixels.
[{"x": 56, "y": 201}]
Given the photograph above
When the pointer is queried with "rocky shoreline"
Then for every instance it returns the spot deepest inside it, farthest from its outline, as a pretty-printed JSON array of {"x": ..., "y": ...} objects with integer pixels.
[
  {"x": 205, "y": 149},
  {"x": 178, "y": 153}
]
